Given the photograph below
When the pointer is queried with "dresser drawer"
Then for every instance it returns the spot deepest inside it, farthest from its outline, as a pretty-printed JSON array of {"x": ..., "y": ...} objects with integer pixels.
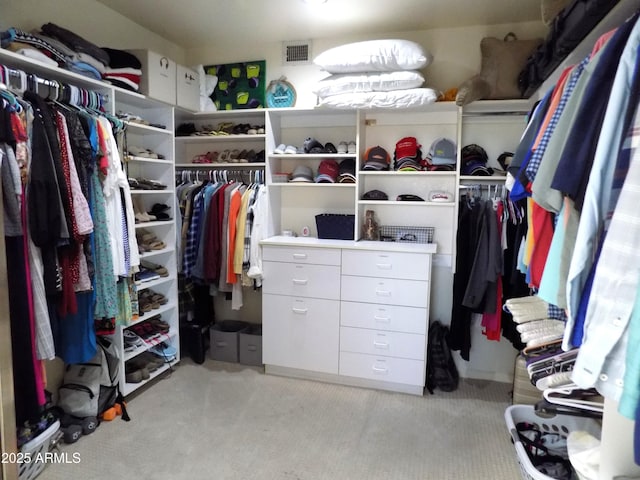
[
  {"x": 318, "y": 281},
  {"x": 384, "y": 317},
  {"x": 410, "y": 293},
  {"x": 386, "y": 344},
  {"x": 408, "y": 266},
  {"x": 385, "y": 369},
  {"x": 300, "y": 333},
  {"x": 317, "y": 256}
]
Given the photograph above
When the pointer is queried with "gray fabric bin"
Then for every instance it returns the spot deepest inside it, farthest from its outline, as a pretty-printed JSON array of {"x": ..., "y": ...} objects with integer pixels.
[
  {"x": 251, "y": 345},
  {"x": 224, "y": 340}
]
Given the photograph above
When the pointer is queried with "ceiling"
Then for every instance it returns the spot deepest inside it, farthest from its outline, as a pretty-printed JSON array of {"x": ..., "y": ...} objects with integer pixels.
[{"x": 197, "y": 23}]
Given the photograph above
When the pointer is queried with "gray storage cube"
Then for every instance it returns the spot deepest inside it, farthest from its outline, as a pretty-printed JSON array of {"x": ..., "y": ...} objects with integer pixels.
[
  {"x": 251, "y": 345},
  {"x": 224, "y": 340}
]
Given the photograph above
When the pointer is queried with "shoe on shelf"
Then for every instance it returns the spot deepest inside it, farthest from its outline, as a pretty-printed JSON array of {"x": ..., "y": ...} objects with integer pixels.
[
  {"x": 279, "y": 150},
  {"x": 159, "y": 269},
  {"x": 311, "y": 145},
  {"x": 351, "y": 147},
  {"x": 330, "y": 148},
  {"x": 139, "y": 211},
  {"x": 291, "y": 150},
  {"x": 342, "y": 147}
]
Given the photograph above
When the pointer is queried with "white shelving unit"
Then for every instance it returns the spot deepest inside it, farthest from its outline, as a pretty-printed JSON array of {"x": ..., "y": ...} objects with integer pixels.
[{"x": 160, "y": 140}]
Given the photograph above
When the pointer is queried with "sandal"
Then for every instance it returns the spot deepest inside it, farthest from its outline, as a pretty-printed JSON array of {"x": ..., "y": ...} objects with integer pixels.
[{"x": 159, "y": 269}]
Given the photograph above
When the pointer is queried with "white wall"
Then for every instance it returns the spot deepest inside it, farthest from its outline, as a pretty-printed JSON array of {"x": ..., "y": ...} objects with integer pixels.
[
  {"x": 90, "y": 19},
  {"x": 456, "y": 53}
]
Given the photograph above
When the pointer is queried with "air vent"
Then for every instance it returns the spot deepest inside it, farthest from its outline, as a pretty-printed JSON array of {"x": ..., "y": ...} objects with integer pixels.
[{"x": 296, "y": 53}]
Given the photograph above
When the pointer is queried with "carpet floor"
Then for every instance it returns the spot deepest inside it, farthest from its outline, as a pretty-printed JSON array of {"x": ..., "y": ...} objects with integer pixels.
[{"x": 225, "y": 421}]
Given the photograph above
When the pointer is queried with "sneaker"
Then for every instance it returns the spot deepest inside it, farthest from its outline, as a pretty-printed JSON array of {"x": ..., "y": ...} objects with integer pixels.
[
  {"x": 291, "y": 150},
  {"x": 351, "y": 147},
  {"x": 342, "y": 147},
  {"x": 311, "y": 145},
  {"x": 280, "y": 149},
  {"x": 330, "y": 148}
]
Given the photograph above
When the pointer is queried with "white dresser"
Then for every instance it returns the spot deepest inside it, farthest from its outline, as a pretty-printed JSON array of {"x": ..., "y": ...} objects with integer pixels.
[{"x": 348, "y": 312}]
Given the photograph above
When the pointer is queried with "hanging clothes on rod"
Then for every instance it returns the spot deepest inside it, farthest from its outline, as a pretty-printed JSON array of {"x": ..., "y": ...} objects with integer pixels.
[{"x": 60, "y": 175}]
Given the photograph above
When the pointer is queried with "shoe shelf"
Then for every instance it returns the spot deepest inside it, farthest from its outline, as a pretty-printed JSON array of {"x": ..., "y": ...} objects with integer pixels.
[
  {"x": 259, "y": 137},
  {"x": 221, "y": 165},
  {"x": 129, "y": 388},
  {"x": 153, "y": 312},
  {"x": 153, "y": 192},
  {"x": 161, "y": 161},
  {"x": 155, "y": 223},
  {"x": 155, "y": 253},
  {"x": 154, "y": 283},
  {"x": 149, "y": 344},
  {"x": 407, "y": 204},
  {"x": 312, "y": 185},
  {"x": 142, "y": 128}
]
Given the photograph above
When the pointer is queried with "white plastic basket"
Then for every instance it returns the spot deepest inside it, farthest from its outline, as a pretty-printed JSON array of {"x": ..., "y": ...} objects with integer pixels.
[
  {"x": 34, "y": 450},
  {"x": 560, "y": 424}
]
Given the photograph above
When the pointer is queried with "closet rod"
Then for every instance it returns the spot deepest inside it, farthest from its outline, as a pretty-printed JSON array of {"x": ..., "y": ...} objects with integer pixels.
[
  {"x": 25, "y": 78},
  {"x": 517, "y": 113}
]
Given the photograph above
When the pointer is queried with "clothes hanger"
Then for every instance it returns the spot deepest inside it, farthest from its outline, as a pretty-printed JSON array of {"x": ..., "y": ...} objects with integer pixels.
[{"x": 573, "y": 396}]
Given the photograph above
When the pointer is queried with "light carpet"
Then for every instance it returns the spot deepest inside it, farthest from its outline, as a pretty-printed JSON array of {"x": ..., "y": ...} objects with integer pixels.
[{"x": 225, "y": 421}]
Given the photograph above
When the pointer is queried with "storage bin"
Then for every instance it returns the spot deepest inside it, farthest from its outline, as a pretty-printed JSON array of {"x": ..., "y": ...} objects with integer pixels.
[
  {"x": 35, "y": 450},
  {"x": 187, "y": 88},
  {"x": 250, "y": 345},
  {"x": 224, "y": 340},
  {"x": 560, "y": 424},
  {"x": 335, "y": 226},
  {"x": 158, "y": 76}
]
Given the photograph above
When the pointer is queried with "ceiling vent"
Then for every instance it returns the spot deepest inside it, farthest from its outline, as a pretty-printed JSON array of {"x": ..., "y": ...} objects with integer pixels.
[{"x": 296, "y": 53}]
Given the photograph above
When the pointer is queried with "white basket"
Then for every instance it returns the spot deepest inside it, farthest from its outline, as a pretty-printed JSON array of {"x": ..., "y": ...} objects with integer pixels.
[
  {"x": 560, "y": 424},
  {"x": 35, "y": 450}
]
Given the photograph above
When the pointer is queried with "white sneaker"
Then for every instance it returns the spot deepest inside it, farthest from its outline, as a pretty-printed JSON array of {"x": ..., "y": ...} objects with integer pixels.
[
  {"x": 342, "y": 147},
  {"x": 351, "y": 147},
  {"x": 291, "y": 150},
  {"x": 280, "y": 149}
]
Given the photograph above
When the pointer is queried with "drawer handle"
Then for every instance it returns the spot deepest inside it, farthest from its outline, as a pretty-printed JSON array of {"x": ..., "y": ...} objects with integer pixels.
[
  {"x": 299, "y": 256},
  {"x": 383, "y": 293},
  {"x": 383, "y": 266},
  {"x": 299, "y": 282},
  {"x": 381, "y": 371},
  {"x": 381, "y": 345},
  {"x": 382, "y": 319},
  {"x": 300, "y": 311}
]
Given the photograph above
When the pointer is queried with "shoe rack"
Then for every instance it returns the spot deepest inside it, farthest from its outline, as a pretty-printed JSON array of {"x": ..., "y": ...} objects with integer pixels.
[{"x": 149, "y": 154}]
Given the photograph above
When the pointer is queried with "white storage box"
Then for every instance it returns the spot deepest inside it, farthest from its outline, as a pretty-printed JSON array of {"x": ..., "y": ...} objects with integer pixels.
[
  {"x": 187, "y": 88},
  {"x": 158, "y": 76},
  {"x": 560, "y": 424}
]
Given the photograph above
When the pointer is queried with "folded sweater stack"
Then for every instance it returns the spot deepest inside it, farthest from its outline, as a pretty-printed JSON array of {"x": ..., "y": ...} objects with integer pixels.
[{"x": 124, "y": 69}]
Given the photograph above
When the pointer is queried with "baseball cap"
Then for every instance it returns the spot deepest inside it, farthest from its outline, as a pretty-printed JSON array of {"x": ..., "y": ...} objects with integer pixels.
[
  {"x": 376, "y": 158},
  {"x": 440, "y": 196},
  {"x": 328, "y": 171},
  {"x": 477, "y": 168},
  {"x": 473, "y": 152},
  {"x": 348, "y": 170},
  {"x": 406, "y": 147},
  {"x": 409, "y": 197},
  {"x": 302, "y": 173},
  {"x": 442, "y": 152},
  {"x": 375, "y": 195}
]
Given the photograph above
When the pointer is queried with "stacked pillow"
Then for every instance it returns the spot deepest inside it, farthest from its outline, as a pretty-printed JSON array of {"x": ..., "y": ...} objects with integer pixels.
[{"x": 361, "y": 69}]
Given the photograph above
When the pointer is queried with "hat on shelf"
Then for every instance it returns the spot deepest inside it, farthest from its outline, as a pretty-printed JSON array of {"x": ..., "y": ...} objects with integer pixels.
[
  {"x": 302, "y": 173},
  {"x": 440, "y": 196},
  {"x": 347, "y": 171},
  {"x": 474, "y": 160},
  {"x": 407, "y": 155},
  {"x": 375, "y": 195},
  {"x": 442, "y": 152},
  {"x": 409, "y": 197},
  {"x": 376, "y": 158},
  {"x": 328, "y": 171}
]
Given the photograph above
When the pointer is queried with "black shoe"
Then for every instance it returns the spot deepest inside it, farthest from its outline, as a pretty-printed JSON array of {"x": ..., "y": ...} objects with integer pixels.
[{"x": 330, "y": 148}]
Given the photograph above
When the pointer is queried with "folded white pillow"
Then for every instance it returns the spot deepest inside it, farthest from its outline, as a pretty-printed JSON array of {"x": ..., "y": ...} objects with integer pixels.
[
  {"x": 397, "y": 99},
  {"x": 374, "y": 56},
  {"x": 368, "y": 82}
]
